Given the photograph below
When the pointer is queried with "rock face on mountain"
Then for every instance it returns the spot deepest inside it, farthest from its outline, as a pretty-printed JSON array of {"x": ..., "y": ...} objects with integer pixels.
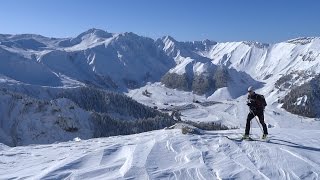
[
  {"x": 196, "y": 72},
  {"x": 304, "y": 99},
  {"x": 203, "y": 83}
]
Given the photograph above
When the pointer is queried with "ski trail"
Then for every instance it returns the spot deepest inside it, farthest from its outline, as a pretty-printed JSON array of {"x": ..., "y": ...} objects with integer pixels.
[
  {"x": 309, "y": 162},
  {"x": 168, "y": 154},
  {"x": 135, "y": 165},
  {"x": 244, "y": 157}
]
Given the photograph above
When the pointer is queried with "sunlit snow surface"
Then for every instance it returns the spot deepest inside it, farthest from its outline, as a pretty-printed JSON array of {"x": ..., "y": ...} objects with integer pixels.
[
  {"x": 32, "y": 62},
  {"x": 292, "y": 152},
  {"x": 168, "y": 154}
]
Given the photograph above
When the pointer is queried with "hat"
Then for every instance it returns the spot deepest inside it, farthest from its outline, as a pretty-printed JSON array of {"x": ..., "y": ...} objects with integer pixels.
[{"x": 250, "y": 89}]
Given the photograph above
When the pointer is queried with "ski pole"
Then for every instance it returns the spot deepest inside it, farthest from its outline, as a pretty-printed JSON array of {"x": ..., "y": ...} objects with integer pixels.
[{"x": 250, "y": 127}]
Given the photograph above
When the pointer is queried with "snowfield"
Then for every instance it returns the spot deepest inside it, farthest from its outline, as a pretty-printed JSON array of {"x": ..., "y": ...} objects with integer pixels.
[
  {"x": 168, "y": 154},
  {"x": 292, "y": 152}
]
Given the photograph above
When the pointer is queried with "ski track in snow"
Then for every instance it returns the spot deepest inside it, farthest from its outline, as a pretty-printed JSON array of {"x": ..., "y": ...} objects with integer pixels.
[{"x": 168, "y": 154}]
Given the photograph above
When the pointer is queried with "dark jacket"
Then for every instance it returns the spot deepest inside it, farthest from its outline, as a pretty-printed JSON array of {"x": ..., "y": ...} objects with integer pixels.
[{"x": 256, "y": 102}]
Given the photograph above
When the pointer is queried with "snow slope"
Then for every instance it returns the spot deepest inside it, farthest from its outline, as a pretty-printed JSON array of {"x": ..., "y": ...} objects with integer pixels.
[
  {"x": 24, "y": 120},
  {"x": 220, "y": 108},
  {"x": 167, "y": 154},
  {"x": 17, "y": 67},
  {"x": 291, "y": 153},
  {"x": 260, "y": 60}
]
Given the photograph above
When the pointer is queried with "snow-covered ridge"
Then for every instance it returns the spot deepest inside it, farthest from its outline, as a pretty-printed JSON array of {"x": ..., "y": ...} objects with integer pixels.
[
  {"x": 302, "y": 40},
  {"x": 107, "y": 60},
  {"x": 119, "y": 50},
  {"x": 259, "y": 60},
  {"x": 94, "y": 32},
  {"x": 122, "y": 61}
]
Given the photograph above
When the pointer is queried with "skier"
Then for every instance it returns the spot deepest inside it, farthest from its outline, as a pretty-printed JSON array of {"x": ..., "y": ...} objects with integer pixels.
[{"x": 256, "y": 103}]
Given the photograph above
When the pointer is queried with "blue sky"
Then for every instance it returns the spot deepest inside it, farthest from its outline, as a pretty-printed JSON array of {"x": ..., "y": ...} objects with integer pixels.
[{"x": 221, "y": 20}]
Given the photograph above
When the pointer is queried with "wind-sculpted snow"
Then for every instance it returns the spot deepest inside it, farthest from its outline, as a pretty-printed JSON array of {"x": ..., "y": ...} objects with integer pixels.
[{"x": 167, "y": 154}]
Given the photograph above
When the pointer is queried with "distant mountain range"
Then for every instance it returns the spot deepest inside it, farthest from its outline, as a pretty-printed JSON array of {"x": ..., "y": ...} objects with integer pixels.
[
  {"x": 45, "y": 68},
  {"x": 118, "y": 61}
]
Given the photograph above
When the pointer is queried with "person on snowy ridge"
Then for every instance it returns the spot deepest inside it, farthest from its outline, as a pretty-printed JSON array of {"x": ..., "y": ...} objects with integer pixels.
[{"x": 257, "y": 104}]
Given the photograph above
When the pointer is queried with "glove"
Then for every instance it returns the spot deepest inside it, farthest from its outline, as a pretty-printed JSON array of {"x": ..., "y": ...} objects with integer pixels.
[{"x": 253, "y": 108}]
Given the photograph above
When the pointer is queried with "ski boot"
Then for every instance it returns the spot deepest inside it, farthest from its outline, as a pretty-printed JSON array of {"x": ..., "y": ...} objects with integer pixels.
[
  {"x": 246, "y": 137},
  {"x": 264, "y": 136}
]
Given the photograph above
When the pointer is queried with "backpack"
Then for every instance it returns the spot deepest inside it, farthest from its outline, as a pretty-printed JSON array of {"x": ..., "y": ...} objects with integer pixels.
[
  {"x": 261, "y": 101},
  {"x": 257, "y": 101}
]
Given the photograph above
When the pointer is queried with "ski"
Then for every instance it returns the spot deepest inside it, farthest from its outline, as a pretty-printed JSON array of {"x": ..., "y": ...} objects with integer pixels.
[
  {"x": 239, "y": 138},
  {"x": 247, "y": 139}
]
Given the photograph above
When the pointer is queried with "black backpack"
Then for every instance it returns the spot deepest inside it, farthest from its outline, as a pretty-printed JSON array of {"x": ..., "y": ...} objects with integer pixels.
[
  {"x": 261, "y": 101},
  {"x": 257, "y": 101}
]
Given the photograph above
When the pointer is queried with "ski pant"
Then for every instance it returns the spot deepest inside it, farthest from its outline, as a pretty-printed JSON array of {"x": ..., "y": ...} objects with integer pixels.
[{"x": 260, "y": 115}]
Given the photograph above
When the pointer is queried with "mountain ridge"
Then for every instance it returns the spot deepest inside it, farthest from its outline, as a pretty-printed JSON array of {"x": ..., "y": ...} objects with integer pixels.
[{"x": 124, "y": 61}]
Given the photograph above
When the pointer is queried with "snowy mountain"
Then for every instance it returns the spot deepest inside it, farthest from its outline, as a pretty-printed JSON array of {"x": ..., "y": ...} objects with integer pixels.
[
  {"x": 258, "y": 60},
  {"x": 211, "y": 68},
  {"x": 195, "y": 72},
  {"x": 102, "y": 84},
  {"x": 118, "y": 61},
  {"x": 43, "y": 67},
  {"x": 95, "y": 57}
]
